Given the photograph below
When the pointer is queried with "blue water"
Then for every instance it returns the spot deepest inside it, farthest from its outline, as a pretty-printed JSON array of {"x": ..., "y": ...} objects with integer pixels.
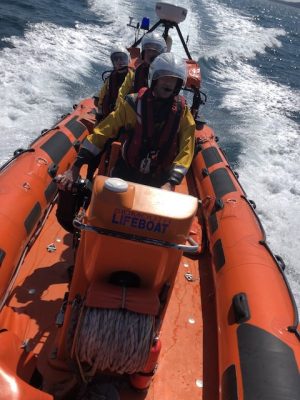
[{"x": 52, "y": 55}]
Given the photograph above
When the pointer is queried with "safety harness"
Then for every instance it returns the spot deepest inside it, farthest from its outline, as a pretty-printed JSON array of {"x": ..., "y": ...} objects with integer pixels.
[
  {"x": 150, "y": 148},
  {"x": 115, "y": 81},
  {"x": 140, "y": 77}
]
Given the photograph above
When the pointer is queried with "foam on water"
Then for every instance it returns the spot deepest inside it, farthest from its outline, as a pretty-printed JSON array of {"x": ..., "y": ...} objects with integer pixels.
[
  {"x": 36, "y": 74},
  {"x": 290, "y": 1},
  {"x": 238, "y": 37},
  {"x": 269, "y": 162},
  {"x": 45, "y": 71}
]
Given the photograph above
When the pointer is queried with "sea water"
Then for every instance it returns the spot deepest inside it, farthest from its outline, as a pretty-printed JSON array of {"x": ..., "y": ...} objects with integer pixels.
[{"x": 52, "y": 54}]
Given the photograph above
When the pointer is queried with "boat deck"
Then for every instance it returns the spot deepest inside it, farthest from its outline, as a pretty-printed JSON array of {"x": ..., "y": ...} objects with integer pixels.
[{"x": 187, "y": 358}]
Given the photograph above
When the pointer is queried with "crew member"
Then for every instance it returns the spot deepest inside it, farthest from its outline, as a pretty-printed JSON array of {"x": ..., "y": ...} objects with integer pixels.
[
  {"x": 160, "y": 144},
  {"x": 109, "y": 92},
  {"x": 152, "y": 45}
]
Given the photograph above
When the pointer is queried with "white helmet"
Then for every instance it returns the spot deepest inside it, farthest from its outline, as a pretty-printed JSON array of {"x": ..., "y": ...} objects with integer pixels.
[
  {"x": 119, "y": 54},
  {"x": 168, "y": 64},
  {"x": 153, "y": 41}
]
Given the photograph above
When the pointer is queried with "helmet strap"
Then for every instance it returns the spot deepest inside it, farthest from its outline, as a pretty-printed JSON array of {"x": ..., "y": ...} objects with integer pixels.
[{"x": 178, "y": 87}]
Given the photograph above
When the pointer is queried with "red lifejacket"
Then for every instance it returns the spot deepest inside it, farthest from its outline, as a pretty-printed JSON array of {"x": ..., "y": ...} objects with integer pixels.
[
  {"x": 115, "y": 81},
  {"x": 144, "y": 143},
  {"x": 141, "y": 77}
]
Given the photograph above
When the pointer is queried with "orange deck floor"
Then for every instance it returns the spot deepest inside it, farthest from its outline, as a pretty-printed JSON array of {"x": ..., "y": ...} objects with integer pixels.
[{"x": 188, "y": 361}]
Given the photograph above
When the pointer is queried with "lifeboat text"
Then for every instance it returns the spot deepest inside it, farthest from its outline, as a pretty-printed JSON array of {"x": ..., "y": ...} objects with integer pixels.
[{"x": 140, "y": 221}]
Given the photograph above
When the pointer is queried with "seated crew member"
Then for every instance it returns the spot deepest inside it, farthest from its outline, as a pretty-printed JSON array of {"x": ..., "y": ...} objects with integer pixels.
[
  {"x": 161, "y": 130},
  {"x": 152, "y": 45},
  {"x": 109, "y": 92}
]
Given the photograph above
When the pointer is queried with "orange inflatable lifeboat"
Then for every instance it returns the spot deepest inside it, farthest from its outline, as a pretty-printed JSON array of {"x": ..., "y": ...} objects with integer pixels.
[{"x": 156, "y": 295}]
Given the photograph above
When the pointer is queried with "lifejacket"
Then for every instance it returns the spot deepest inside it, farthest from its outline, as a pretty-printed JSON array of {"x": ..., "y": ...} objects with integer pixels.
[
  {"x": 115, "y": 82},
  {"x": 140, "y": 77},
  {"x": 158, "y": 149}
]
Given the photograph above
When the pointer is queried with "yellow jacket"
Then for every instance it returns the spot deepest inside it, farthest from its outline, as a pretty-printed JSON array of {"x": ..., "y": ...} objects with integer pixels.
[
  {"x": 126, "y": 88},
  {"x": 125, "y": 116},
  {"x": 102, "y": 93}
]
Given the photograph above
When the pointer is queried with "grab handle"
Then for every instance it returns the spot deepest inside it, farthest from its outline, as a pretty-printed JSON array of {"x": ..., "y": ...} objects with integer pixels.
[
  {"x": 241, "y": 308},
  {"x": 136, "y": 238},
  {"x": 189, "y": 249}
]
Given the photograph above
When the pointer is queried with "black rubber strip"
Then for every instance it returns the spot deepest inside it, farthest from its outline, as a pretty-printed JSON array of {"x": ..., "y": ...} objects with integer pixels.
[
  {"x": 50, "y": 191},
  {"x": 229, "y": 384},
  {"x": 76, "y": 127},
  {"x": 213, "y": 223},
  {"x": 221, "y": 182},
  {"x": 33, "y": 217},
  {"x": 2, "y": 256},
  {"x": 218, "y": 255},
  {"x": 57, "y": 146},
  {"x": 211, "y": 156},
  {"x": 268, "y": 365}
]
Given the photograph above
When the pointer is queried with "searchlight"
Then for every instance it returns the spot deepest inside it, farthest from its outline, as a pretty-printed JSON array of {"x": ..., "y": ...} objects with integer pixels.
[{"x": 170, "y": 12}]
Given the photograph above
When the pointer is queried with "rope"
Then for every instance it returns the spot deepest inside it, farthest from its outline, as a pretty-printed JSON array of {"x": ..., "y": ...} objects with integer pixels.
[{"x": 114, "y": 340}]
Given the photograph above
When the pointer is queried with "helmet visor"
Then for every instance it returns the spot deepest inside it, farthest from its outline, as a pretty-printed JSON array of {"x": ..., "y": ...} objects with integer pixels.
[
  {"x": 164, "y": 72},
  {"x": 153, "y": 46},
  {"x": 119, "y": 59}
]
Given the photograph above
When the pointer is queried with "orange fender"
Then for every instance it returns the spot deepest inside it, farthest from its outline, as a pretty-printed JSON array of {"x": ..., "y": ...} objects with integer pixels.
[
  {"x": 27, "y": 187},
  {"x": 12, "y": 386},
  {"x": 258, "y": 336}
]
